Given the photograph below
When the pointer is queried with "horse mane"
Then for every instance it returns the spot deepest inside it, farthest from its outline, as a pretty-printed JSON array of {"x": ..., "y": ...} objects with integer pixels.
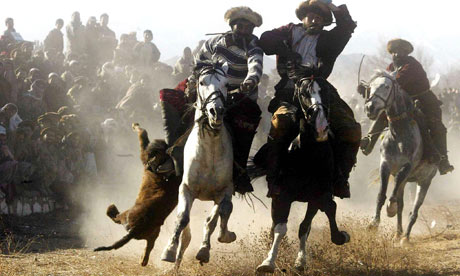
[{"x": 382, "y": 73}]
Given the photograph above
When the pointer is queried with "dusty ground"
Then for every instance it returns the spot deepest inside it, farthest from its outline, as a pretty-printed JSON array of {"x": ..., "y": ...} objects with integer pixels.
[{"x": 50, "y": 245}]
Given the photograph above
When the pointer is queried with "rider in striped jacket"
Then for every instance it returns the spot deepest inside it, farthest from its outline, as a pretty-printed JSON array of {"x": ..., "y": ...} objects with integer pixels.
[{"x": 239, "y": 49}]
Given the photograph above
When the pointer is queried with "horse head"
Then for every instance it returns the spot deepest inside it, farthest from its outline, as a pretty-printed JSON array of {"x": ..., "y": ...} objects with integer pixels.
[
  {"x": 313, "y": 108},
  {"x": 382, "y": 94},
  {"x": 212, "y": 94}
]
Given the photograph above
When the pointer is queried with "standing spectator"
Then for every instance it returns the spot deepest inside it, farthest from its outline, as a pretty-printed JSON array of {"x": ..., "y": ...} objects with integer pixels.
[
  {"x": 147, "y": 52},
  {"x": 5, "y": 87},
  {"x": 92, "y": 37},
  {"x": 75, "y": 31},
  {"x": 10, "y": 34},
  {"x": 55, "y": 38},
  {"x": 184, "y": 65},
  {"x": 107, "y": 40}
]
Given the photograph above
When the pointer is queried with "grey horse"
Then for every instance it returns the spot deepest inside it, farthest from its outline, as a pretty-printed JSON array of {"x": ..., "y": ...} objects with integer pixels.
[{"x": 401, "y": 151}]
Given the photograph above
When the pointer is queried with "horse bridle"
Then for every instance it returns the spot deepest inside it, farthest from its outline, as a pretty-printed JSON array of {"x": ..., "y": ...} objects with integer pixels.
[
  {"x": 303, "y": 89},
  {"x": 392, "y": 92},
  {"x": 213, "y": 95}
]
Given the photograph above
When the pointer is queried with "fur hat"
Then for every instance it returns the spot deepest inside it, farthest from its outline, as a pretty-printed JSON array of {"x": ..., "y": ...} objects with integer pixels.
[
  {"x": 243, "y": 13},
  {"x": 316, "y": 7},
  {"x": 400, "y": 46}
]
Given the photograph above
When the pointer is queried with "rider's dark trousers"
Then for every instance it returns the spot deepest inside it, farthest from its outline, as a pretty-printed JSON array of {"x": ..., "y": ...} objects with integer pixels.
[{"x": 284, "y": 128}]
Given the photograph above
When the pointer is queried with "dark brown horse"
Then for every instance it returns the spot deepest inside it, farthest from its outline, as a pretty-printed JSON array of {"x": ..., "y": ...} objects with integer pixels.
[
  {"x": 156, "y": 200},
  {"x": 306, "y": 175}
]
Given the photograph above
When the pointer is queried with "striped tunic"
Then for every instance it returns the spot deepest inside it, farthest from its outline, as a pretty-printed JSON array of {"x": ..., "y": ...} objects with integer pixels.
[{"x": 243, "y": 64}]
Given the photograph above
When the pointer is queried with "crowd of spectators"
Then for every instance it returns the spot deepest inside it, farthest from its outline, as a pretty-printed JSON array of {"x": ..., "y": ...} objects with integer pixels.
[{"x": 62, "y": 100}]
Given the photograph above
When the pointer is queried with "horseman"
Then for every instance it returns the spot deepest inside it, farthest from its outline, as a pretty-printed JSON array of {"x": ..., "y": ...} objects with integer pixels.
[
  {"x": 306, "y": 50},
  {"x": 411, "y": 76},
  {"x": 239, "y": 49}
]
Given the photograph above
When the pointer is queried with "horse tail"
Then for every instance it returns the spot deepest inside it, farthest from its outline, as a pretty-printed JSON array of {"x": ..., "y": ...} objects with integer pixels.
[{"x": 118, "y": 243}]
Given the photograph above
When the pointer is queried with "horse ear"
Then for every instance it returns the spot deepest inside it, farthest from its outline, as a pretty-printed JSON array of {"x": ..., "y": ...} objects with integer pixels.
[{"x": 225, "y": 67}]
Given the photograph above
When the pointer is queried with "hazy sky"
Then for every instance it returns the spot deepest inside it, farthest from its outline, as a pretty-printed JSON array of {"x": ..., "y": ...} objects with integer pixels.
[{"x": 177, "y": 23}]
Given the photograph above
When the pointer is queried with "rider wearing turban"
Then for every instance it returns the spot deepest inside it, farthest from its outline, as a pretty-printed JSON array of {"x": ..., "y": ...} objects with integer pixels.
[
  {"x": 307, "y": 47},
  {"x": 411, "y": 76},
  {"x": 239, "y": 49}
]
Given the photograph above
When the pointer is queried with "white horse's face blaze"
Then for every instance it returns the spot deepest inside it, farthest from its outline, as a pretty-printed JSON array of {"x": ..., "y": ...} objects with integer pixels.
[
  {"x": 380, "y": 89},
  {"x": 213, "y": 90},
  {"x": 319, "y": 115}
]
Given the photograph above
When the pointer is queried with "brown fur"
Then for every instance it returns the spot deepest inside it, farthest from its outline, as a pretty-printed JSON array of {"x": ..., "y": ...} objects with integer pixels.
[{"x": 157, "y": 198}]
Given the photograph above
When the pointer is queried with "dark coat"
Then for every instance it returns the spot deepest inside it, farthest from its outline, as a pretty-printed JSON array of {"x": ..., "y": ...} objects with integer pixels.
[
  {"x": 413, "y": 79},
  {"x": 330, "y": 43}
]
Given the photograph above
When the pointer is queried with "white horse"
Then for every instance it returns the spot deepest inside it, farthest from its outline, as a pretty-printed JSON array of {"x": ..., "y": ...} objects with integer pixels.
[
  {"x": 401, "y": 152},
  {"x": 208, "y": 165}
]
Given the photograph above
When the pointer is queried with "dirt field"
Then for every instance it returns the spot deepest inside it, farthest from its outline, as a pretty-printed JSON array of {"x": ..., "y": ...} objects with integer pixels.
[{"x": 51, "y": 245}]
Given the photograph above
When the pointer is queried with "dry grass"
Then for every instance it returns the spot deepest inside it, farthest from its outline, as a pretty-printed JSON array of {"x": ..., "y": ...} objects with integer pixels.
[{"x": 368, "y": 253}]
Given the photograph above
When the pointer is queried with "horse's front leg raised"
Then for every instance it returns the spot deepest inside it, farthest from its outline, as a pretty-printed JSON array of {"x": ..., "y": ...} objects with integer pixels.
[
  {"x": 209, "y": 226},
  {"x": 225, "y": 210},
  {"x": 304, "y": 232},
  {"x": 280, "y": 214},
  {"x": 400, "y": 180},
  {"x": 382, "y": 196},
  {"x": 183, "y": 219}
]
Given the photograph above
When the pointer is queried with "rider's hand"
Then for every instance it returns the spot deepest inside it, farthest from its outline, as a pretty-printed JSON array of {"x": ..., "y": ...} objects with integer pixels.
[
  {"x": 247, "y": 86},
  {"x": 362, "y": 89}
]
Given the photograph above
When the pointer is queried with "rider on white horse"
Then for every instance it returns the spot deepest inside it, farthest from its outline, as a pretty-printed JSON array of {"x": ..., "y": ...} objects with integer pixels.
[
  {"x": 413, "y": 79},
  {"x": 239, "y": 49}
]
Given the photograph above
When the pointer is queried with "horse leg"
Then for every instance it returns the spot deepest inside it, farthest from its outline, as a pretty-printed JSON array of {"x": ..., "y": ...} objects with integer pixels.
[
  {"x": 400, "y": 180},
  {"x": 280, "y": 214},
  {"x": 185, "y": 238},
  {"x": 422, "y": 190},
  {"x": 209, "y": 226},
  {"x": 150, "y": 243},
  {"x": 400, "y": 202},
  {"x": 225, "y": 210},
  {"x": 183, "y": 218},
  {"x": 382, "y": 196},
  {"x": 337, "y": 237},
  {"x": 304, "y": 232}
]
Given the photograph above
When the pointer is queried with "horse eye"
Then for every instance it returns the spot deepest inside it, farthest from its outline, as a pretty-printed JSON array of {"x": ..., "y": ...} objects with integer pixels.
[{"x": 201, "y": 83}]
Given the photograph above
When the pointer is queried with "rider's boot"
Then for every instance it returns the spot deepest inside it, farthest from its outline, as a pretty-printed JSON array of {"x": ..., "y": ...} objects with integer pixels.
[
  {"x": 368, "y": 142},
  {"x": 173, "y": 128},
  {"x": 345, "y": 157},
  {"x": 430, "y": 151},
  {"x": 439, "y": 135},
  {"x": 242, "y": 142}
]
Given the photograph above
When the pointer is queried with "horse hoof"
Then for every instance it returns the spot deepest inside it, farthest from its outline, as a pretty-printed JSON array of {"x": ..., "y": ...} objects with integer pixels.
[
  {"x": 405, "y": 242},
  {"x": 341, "y": 238},
  {"x": 144, "y": 262},
  {"x": 300, "y": 263},
  {"x": 392, "y": 209},
  {"x": 203, "y": 255},
  {"x": 266, "y": 267},
  {"x": 228, "y": 237},
  {"x": 168, "y": 255},
  {"x": 373, "y": 226}
]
